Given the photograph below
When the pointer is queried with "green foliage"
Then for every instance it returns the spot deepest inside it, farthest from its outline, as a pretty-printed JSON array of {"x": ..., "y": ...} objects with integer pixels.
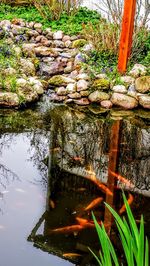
[
  {"x": 134, "y": 243},
  {"x": 141, "y": 47},
  {"x": 70, "y": 24}
]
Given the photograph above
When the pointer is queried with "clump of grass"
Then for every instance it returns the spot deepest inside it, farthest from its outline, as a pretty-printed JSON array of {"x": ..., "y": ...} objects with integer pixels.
[{"x": 133, "y": 240}]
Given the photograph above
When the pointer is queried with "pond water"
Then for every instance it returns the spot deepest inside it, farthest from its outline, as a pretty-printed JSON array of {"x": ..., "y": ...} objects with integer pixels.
[{"x": 49, "y": 157}]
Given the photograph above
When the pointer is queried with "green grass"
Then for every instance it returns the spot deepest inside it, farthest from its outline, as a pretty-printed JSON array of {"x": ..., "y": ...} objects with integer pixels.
[
  {"x": 133, "y": 241},
  {"x": 69, "y": 24}
]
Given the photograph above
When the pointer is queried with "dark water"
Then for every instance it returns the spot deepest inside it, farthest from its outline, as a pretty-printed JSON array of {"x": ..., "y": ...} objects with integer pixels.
[{"x": 45, "y": 155}]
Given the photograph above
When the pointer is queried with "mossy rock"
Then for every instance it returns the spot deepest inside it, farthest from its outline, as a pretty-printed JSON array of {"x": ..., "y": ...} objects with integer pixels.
[
  {"x": 142, "y": 84},
  {"x": 101, "y": 84},
  {"x": 79, "y": 43},
  {"x": 60, "y": 80}
]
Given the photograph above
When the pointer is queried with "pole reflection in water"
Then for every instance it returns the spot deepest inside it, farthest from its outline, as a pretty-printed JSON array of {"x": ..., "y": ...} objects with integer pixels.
[{"x": 88, "y": 164}]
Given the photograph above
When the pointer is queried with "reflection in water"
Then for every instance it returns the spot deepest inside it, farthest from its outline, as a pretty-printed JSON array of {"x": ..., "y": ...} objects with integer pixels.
[
  {"x": 89, "y": 160},
  {"x": 65, "y": 164}
]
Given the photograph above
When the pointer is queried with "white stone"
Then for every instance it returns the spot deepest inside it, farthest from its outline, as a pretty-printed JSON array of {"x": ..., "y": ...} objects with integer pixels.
[
  {"x": 144, "y": 100},
  {"x": 58, "y": 35},
  {"x": 83, "y": 76},
  {"x": 82, "y": 85},
  {"x": 61, "y": 91},
  {"x": 98, "y": 96},
  {"x": 21, "y": 82},
  {"x": 124, "y": 101},
  {"x": 128, "y": 80},
  {"x": 106, "y": 104},
  {"x": 71, "y": 87},
  {"x": 138, "y": 70},
  {"x": 120, "y": 89}
]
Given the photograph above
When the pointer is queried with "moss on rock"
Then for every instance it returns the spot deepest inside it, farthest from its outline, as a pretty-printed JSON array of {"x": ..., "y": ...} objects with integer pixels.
[
  {"x": 101, "y": 84},
  {"x": 79, "y": 43}
]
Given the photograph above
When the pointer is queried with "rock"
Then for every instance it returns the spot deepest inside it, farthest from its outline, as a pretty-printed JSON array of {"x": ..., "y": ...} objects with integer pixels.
[
  {"x": 97, "y": 110},
  {"x": 21, "y": 82},
  {"x": 101, "y": 76},
  {"x": 17, "y": 30},
  {"x": 83, "y": 76},
  {"x": 68, "y": 44},
  {"x": 106, "y": 104},
  {"x": 87, "y": 48},
  {"x": 125, "y": 113},
  {"x": 69, "y": 67},
  {"x": 61, "y": 91},
  {"x": 9, "y": 99},
  {"x": 18, "y": 21},
  {"x": 66, "y": 38},
  {"x": 138, "y": 70},
  {"x": 124, "y": 101},
  {"x": 73, "y": 74},
  {"x": 67, "y": 101},
  {"x": 120, "y": 89},
  {"x": 132, "y": 92},
  {"x": 27, "y": 93},
  {"x": 9, "y": 71},
  {"x": 127, "y": 80},
  {"x": 28, "y": 49},
  {"x": 98, "y": 96},
  {"x": 52, "y": 68},
  {"x": 82, "y": 85},
  {"x": 79, "y": 43},
  {"x": 56, "y": 98},
  {"x": 79, "y": 58},
  {"x": 142, "y": 84},
  {"x": 144, "y": 100},
  {"x": 71, "y": 87},
  {"x": 82, "y": 101},
  {"x": 37, "y": 85},
  {"x": 60, "y": 80},
  {"x": 37, "y": 26},
  {"x": 58, "y": 35},
  {"x": 32, "y": 33},
  {"x": 59, "y": 44},
  {"x": 17, "y": 50},
  {"x": 84, "y": 93},
  {"x": 101, "y": 84},
  {"x": 27, "y": 67},
  {"x": 66, "y": 55},
  {"x": 74, "y": 95},
  {"x": 45, "y": 51}
]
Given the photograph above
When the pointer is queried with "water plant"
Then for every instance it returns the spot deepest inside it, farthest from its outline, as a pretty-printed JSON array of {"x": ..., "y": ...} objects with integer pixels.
[{"x": 134, "y": 243}]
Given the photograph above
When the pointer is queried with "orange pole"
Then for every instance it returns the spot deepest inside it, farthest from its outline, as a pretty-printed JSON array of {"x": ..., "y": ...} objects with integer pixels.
[{"x": 126, "y": 34}]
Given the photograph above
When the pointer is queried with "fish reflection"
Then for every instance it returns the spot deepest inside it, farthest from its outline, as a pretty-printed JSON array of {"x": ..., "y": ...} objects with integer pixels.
[{"x": 130, "y": 200}]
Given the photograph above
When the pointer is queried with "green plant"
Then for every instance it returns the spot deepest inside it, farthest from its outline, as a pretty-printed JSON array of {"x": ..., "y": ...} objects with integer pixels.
[{"x": 134, "y": 243}]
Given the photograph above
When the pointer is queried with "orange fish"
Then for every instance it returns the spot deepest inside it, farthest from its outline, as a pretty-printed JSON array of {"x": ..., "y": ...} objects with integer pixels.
[
  {"x": 81, "y": 221},
  {"x": 130, "y": 200},
  {"x": 71, "y": 255},
  {"x": 52, "y": 204},
  {"x": 67, "y": 229},
  {"x": 122, "y": 179},
  {"x": 85, "y": 223},
  {"x": 102, "y": 187},
  {"x": 94, "y": 203}
]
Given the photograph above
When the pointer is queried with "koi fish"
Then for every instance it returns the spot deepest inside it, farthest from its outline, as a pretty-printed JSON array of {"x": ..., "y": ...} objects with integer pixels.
[
  {"x": 122, "y": 179},
  {"x": 101, "y": 186},
  {"x": 67, "y": 229},
  {"x": 71, "y": 255},
  {"x": 85, "y": 223},
  {"x": 77, "y": 159},
  {"x": 130, "y": 200},
  {"x": 52, "y": 204},
  {"x": 94, "y": 204},
  {"x": 92, "y": 177}
]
